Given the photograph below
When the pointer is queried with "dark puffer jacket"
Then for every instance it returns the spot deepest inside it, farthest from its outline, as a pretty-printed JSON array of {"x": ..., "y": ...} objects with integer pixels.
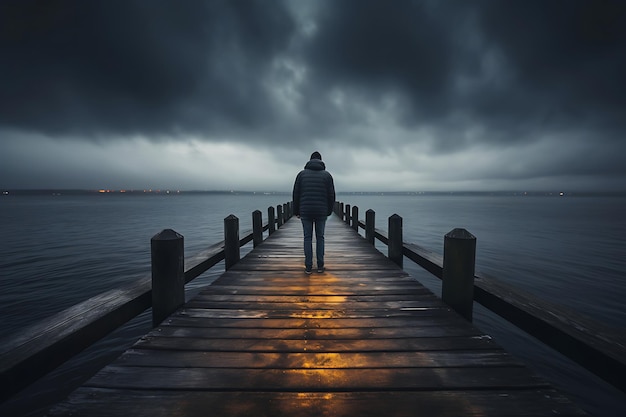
[{"x": 313, "y": 191}]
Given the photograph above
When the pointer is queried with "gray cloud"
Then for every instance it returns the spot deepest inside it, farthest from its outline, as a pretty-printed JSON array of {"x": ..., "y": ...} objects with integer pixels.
[
  {"x": 513, "y": 68},
  {"x": 137, "y": 66},
  {"x": 566, "y": 55},
  {"x": 540, "y": 80}
]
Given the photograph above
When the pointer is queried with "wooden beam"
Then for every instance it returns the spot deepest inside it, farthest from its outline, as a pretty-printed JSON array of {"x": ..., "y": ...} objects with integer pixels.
[{"x": 40, "y": 348}]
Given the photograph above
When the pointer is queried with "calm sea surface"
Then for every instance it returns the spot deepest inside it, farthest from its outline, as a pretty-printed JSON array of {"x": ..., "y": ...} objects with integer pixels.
[{"x": 59, "y": 250}]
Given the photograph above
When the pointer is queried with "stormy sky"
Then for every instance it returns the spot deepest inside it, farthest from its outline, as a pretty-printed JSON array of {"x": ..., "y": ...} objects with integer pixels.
[{"x": 396, "y": 95}]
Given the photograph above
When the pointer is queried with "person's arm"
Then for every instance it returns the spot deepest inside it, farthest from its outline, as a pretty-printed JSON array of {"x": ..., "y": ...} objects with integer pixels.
[
  {"x": 295, "y": 196},
  {"x": 330, "y": 195}
]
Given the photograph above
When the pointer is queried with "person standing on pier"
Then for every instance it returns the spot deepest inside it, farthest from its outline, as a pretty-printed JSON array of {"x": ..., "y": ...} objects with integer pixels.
[{"x": 313, "y": 202}]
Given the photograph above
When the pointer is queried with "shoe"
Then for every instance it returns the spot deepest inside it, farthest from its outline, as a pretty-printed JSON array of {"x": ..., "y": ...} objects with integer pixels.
[
  {"x": 320, "y": 270},
  {"x": 307, "y": 271}
]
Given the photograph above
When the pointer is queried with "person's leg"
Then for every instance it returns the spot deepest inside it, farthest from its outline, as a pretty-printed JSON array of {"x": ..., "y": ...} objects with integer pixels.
[
  {"x": 320, "y": 226},
  {"x": 307, "y": 227}
]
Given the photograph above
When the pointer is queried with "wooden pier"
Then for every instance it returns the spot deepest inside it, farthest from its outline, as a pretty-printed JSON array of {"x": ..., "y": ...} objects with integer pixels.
[{"x": 363, "y": 338}]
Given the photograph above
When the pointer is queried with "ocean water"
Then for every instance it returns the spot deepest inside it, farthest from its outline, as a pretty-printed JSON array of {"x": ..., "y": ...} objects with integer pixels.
[{"x": 58, "y": 250}]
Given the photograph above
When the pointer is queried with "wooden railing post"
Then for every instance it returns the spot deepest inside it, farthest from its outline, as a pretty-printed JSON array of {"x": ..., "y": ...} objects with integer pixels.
[
  {"x": 231, "y": 241},
  {"x": 279, "y": 216},
  {"x": 341, "y": 211},
  {"x": 459, "y": 260},
  {"x": 347, "y": 214},
  {"x": 168, "y": 274},
  {"x": 257, "y": 228},
  {"x": 355, "y": 218},
  {"x": 394, "y": 246},
  {"x": 285, "y": 213},
  {"x": 370, "y": 217},
  {"x": 271, "y": 220}
]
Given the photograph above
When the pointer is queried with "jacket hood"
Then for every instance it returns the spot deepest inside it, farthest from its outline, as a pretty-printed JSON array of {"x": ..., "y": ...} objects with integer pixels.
[{"x": 315, "y": 165}]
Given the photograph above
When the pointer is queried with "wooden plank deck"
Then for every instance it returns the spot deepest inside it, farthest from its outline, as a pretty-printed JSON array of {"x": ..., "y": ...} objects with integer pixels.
[{"x": 364, "y": 338}]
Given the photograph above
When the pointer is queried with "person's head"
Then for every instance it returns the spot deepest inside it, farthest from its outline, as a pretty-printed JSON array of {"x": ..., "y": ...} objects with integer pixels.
[{"x": 316, "y": 155}]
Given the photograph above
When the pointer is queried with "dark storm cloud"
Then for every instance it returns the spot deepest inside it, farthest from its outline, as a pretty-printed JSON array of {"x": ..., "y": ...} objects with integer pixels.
[
  {"x": 469, "y": 73},
  {"x": 568, "y": 56},
  {"x": 515, "y": 68},
  {"x": 136, "y": 66},
  {"x": 371, "y": 45}
]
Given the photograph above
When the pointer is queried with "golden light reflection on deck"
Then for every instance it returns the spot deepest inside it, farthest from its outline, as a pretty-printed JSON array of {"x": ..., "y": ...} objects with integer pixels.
[
  {"x": 328, "y": 370},
  {"x": 321, "y": 290},
  {"x": 327, "y": 360}
]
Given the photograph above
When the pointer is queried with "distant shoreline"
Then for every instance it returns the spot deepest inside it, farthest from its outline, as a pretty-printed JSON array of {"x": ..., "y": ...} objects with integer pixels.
[{"x": 60, "y": 192}]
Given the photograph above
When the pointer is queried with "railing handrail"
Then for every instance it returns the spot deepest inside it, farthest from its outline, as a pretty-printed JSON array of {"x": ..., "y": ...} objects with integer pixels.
[
  {"x": 26, "y": 356},
  {"x": 39, "y": 348},
  {"x": 593, "y": 345}
]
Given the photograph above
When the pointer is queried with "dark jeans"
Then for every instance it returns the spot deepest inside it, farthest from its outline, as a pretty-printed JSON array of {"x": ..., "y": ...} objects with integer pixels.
[{"x": 307, "y": 226}]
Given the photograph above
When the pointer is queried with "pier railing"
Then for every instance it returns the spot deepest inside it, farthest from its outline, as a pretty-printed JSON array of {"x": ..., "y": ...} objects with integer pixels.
[
  {"x": 596, "y": 347},
  {"x": 38, "y": 349}
]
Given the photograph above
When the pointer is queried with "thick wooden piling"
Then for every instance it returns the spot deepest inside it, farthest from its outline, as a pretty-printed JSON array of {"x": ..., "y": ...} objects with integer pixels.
[
  {"x": 395, "y": 240},
  {"x": 279, "y": 215},
  {"x": 459, "y": 254},
  {"x": 370, "y": 226},
  {"x": 231, "y": 241},
  {"x": 271, "y": 220},
  {"x": 257, "y": 228},
  {"x": 168, "y": 274},
  {"x": 355, "y": 218}
]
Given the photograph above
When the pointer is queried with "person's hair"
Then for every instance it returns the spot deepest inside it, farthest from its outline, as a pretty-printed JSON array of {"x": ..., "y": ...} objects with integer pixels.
[{"x": 316, "y": 155}]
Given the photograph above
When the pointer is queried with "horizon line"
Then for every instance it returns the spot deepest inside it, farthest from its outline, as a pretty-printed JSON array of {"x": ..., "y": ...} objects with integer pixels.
[{"x": 59, "y": 191}]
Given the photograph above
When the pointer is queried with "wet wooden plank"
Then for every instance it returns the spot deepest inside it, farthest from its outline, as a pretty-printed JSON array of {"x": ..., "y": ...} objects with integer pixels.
[
  {"x": 189, "y": 318},
  {"x": 319, "y": 289},
  {"x": 98, "y": 402},
  {"x": 346, "y": 333},
  {"x": 418, "y": 344},
  {"x": 260, "y": 305},
  {"x": 364, "y": 296},
  {"x": 202, "y": 319},
  {"x": 272, "y": 379},
  {"x": 317, "y": 360}
]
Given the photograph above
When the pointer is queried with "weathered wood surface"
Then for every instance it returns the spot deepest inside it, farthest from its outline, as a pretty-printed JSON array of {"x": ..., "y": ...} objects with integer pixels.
[
  {"x": 363, "y": 338},
  {"x": 38, "y": 349},
  {"x": 597, "y": 347}
]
